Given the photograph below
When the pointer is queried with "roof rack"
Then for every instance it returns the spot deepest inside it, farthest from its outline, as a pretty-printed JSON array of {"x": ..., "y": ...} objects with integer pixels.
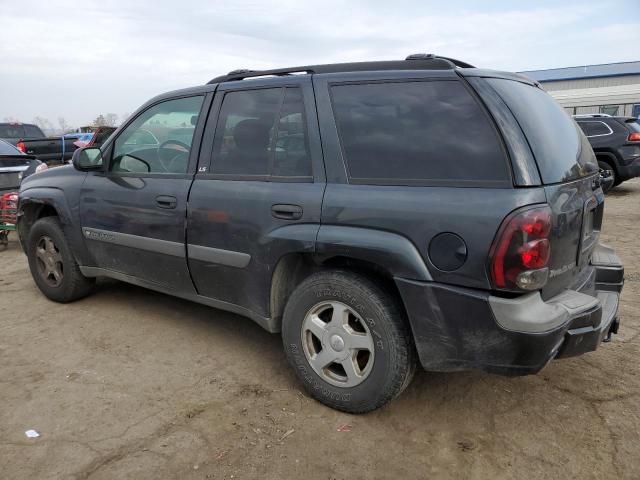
[
  {"x": 418, "y": 61},
  {"x": 591, "y": 115}
]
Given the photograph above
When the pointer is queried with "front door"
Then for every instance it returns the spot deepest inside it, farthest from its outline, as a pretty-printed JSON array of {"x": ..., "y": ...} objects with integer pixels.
[
  {"x": 258, "y": 192},
  {"x": 133, "y": 213}
]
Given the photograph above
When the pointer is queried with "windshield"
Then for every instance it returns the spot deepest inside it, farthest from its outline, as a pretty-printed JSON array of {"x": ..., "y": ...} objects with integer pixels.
[
  {"x": 561, "y": 150},
  {"x": 8, "y": 149}
]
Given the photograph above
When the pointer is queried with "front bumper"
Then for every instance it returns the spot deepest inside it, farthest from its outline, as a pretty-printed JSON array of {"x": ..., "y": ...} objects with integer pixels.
[{"x": 458, "y": 328}]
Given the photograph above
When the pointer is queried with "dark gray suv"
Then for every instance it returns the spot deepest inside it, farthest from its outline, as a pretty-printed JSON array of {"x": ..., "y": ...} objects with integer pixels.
[{"x": 376, "y": 214}]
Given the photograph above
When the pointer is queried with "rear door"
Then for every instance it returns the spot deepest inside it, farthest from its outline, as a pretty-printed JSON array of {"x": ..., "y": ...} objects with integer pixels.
[
  {"x": 133, "y": 214},
  {"x": 258, "y": 192},
  {"x": 569, "y": 173}
]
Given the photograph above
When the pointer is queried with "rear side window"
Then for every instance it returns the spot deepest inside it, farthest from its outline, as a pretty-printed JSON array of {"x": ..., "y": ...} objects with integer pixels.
[
  {"x": 262, "y": 133},
  {"x": 431, "y": 132},
  {"x": 592, "y": 129},
  {"x": 561, "y": 151}
]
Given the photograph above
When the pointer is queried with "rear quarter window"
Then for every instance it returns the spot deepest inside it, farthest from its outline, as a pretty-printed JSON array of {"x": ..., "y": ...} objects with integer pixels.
[
  {"x": 420, "y": 132},
  {"x": 561, "y": 150},
  {"x": 594, "y": 128}
]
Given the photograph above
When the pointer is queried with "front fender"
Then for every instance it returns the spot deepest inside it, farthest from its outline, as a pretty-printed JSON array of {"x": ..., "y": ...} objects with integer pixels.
[{"x": 38, "y": 202}]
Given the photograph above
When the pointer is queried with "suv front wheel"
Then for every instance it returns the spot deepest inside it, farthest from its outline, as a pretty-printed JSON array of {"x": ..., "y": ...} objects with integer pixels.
[
  {"x": 348, "y": 341},
  {"x": 52, "y": 265}
]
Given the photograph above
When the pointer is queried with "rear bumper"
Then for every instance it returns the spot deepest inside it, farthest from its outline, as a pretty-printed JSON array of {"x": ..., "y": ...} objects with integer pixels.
[
  {"x": 626, "y": 172},
  {"x": 458, "y": 329}
]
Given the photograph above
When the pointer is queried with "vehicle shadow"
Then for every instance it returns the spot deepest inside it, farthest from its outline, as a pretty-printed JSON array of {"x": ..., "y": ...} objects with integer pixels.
[
  {"x": 620, "y": 191},
  {"x": 474, "y": 393}
]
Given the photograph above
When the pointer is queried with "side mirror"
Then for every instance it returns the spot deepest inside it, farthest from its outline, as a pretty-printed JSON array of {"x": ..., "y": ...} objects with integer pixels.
[{"x": 89, "y": 158}]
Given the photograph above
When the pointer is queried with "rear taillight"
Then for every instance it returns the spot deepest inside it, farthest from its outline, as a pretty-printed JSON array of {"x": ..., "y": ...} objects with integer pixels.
[
  {"x": 634, "y": 137},
  {"x": 520, "y": 252},
  {"x": 22, "y": 147}
]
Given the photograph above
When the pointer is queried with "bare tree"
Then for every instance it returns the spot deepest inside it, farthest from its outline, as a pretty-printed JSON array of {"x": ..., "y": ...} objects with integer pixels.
[
  {"x": 111, "y": 120},
  {"x": 11, "y": 120},
  {"x": 44, "y": 124},
  {"x": 100, "y": 121},
  {"x": 64, "y": 126}
]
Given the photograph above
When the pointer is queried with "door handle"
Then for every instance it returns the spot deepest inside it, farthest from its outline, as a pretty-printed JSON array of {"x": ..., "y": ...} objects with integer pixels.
[
  {"x": 287, "y": 212},
  {"x": 166, "y": 201}
]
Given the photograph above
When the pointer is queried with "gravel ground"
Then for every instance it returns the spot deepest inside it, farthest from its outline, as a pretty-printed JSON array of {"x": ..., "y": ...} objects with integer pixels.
[{"x": 132, "y": 384}]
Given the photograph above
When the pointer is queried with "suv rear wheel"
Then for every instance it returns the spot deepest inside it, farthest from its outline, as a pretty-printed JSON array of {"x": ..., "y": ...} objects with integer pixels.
[
  {"x": 52, "y": 265},
  {"x": 348, "y": 341}
]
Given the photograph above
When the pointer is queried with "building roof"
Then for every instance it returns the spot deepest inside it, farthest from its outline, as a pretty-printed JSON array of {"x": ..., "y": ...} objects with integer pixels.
[{"x": 585, "y": 71}]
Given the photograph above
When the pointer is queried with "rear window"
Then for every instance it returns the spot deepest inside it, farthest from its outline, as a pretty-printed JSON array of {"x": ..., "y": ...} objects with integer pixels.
[
  {"x": 593, "y": 129},
  {"x": 561, "y": 150},
  {"x": 430, "y": 132},
  {"x": 8, "y": 149},
  {"x": 11, "y": 131}
]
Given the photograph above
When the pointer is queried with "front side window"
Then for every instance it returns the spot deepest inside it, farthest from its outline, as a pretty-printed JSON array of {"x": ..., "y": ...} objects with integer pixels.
[
  {"x": 159, "y": 140},
  {"x": 262, "y": 132},
  {"x": 408, "y": 132}
]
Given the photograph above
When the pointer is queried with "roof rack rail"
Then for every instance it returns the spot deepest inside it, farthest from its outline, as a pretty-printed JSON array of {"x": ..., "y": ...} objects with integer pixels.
[
  {"x": 418, "y": 61},
  {"x": 591, "y": 115}
]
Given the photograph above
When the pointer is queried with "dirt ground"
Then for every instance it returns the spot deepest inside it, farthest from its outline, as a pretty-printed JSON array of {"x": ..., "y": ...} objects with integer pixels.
[{"x": 133, "y": 384}]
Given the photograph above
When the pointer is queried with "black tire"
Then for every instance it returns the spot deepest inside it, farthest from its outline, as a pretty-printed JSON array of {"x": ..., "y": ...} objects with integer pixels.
[
  {"x": 607, "y": 167},
  {"x": 73, "y": 285},
  {"x": 394, "y": 359}
]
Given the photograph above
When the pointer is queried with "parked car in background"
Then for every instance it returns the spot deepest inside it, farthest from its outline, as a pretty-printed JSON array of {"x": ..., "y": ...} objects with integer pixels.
[
  {"x": 81, "y": 140},
  {"x": 51, "y": 150},
  {"x": 94, "y": 138},
  {"x": 15, "y": 166},
  {"x": 616, "y": 143},
  {"x": 31, "y": 140},
  {"x": 100, "y": 135},
  {"x": 14, "y": 132},
  {"x": 375, "y": 214}
]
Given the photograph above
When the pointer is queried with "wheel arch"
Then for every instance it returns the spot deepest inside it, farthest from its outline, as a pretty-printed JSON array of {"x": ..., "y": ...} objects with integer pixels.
[
  {"x": 37, "y": 203},
  {"x": 608, "y": 157},
  {"x": 293, "y": 269}
]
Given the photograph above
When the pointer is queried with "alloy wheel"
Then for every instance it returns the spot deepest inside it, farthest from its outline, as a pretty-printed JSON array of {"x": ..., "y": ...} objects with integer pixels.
[
  {"x": 338, "y": 344},
  {"x": 49, "y": 261}
]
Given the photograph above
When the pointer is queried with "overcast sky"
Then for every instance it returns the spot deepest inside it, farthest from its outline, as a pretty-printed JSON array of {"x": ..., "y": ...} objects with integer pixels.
[{"x": 82, "y": 58}]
